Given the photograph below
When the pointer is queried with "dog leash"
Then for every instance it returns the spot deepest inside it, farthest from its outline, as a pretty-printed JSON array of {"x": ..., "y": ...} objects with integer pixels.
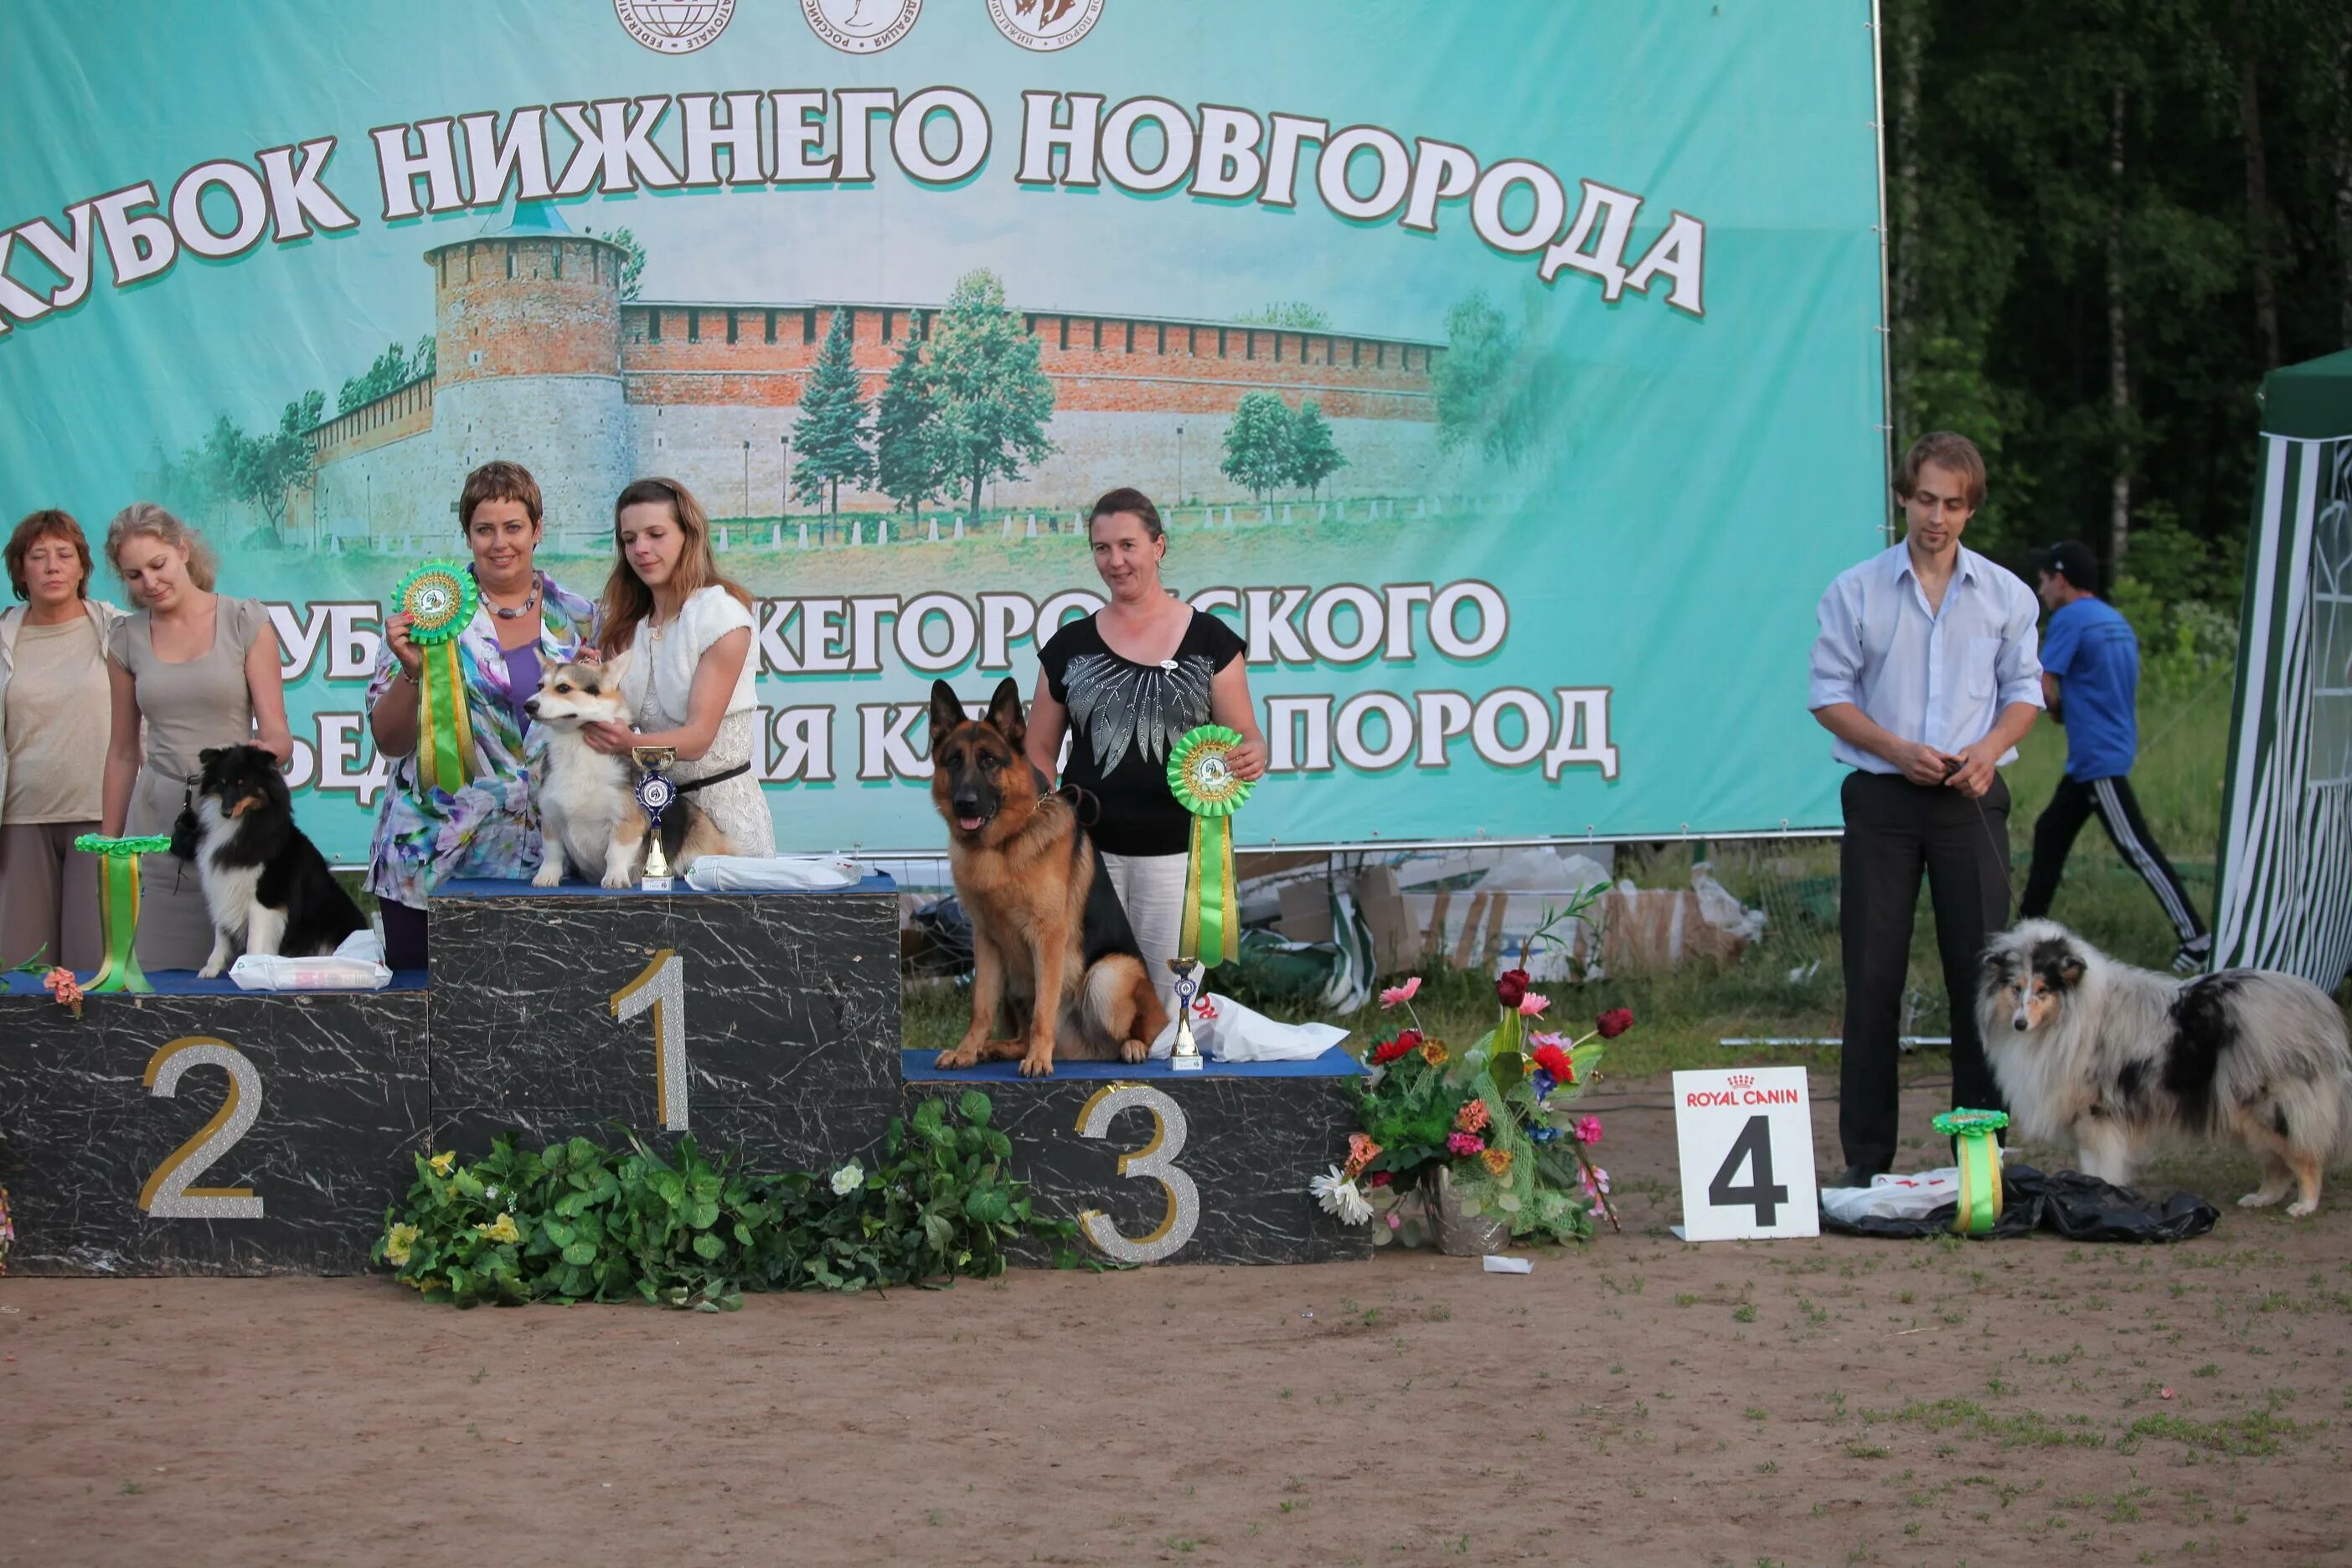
[
  {"x": 1999, "y": 855},
  {"x": 737, "y": 772}
]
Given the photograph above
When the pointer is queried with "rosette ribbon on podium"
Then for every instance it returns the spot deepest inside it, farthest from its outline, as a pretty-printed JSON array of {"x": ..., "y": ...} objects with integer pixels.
[
  {"x": 439, "y": 600},
  {"x": 1200, "y": 772},
  {"x": 118, "y": 906},
  {"x": 1979, "y": 1153}
]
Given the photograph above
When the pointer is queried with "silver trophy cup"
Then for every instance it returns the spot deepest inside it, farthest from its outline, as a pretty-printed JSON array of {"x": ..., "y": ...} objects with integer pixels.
[
  {"x": 655, "y": 794},
  {"x": 1186, "y": 1057}
]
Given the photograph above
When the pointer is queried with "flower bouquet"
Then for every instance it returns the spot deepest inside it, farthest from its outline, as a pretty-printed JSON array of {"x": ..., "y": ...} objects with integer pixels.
[{"x": 1492, "y": 1131}]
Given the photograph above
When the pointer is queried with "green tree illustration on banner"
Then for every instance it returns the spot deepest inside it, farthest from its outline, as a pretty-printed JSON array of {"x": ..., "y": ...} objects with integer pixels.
[
  {"x": 269, "y": 470},
  {"x": 1314, "y": 454},
  {"x": 831, "y": 435},
  {"x": 1258, "y": 443},
  {"x": 633, "y": 265},
  {"x": 1490, "y": 391},
  {"x": 907, "y": 466},
  {"x": 993, "y": 400},
  {"x": 1296, "y": 313}
]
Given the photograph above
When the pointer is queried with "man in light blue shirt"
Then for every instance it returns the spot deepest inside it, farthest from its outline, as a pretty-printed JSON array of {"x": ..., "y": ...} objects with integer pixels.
[{"x": 1925, "y": 671}]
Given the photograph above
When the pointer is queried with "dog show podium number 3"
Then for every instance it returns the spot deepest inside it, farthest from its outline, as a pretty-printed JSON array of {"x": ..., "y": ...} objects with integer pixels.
[{"x": 1746, "y": 1139}]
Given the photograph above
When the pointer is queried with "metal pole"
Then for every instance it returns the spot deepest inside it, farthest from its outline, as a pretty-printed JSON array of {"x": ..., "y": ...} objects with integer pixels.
[{"x": 747, "y": 478}]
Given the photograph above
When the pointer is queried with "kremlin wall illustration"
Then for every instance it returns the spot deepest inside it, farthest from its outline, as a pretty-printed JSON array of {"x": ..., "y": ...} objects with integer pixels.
[{"x": 540, "y": 361}]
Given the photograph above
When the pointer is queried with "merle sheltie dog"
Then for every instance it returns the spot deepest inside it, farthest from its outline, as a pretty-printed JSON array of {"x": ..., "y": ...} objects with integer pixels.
[
  {"x": 267, "y": 886},
  {"x": 2096, "y": 1054}
]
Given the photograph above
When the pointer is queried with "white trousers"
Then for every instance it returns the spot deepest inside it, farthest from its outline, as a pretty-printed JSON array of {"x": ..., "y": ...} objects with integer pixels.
[{"x": 1151, "y": 888}]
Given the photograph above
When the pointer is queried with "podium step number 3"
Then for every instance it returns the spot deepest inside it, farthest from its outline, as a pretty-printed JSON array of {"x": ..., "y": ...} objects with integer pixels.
[
  {"x": 661, "y": 987},
  {"x": 1746, "y": 1137}
]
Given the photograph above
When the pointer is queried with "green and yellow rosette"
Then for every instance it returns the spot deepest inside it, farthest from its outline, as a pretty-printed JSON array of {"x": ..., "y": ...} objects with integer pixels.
[
  {"x": 439, "y": 599},
  {"x": 1980, "y": 1151},
  {"x": 118, "y": 906},
  {"x": 1200, "y": 772}
]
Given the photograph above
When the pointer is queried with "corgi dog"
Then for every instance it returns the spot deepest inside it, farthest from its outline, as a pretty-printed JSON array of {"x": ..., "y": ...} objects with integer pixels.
[{"x": 589, "y": 818}]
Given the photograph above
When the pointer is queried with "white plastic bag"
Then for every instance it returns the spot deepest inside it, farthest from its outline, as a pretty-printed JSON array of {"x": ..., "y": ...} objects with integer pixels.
[
  {"x": 1913, "y": 1195},
  {"x": 772, "y": 873},
  {"x": 357, "y": 965},
  {"x": 1228, "y": 1032}
]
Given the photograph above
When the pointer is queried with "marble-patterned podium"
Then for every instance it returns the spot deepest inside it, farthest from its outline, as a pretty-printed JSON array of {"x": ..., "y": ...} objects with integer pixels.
[
  {"x": 1239, "y": 1141},
  {"x": 340, "y": 1106},
  {"x": 790, "y": 1016}
]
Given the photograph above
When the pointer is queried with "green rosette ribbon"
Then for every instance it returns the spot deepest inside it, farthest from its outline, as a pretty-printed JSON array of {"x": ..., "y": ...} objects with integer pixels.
[
  {"x": 1201, "y": 775},
  {"x": 118, "y": 906},
  {"x": 1979, "y": 1153},
  {"x": 439, "y": 600}
]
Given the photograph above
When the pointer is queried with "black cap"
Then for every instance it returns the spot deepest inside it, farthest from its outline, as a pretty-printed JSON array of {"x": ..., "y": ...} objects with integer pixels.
[{"x": 2071, "y": 560}]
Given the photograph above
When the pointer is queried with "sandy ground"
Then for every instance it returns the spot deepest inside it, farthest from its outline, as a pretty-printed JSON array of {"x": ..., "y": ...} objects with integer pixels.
[{"x": 1643, "y": 1401}]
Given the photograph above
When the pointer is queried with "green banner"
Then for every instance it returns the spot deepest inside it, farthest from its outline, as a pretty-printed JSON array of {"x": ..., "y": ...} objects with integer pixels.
[{"x": 1510, "y": 376}]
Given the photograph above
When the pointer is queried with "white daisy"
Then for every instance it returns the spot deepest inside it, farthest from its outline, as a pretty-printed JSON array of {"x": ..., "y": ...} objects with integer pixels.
[{"x": 1338, "y": 1195}]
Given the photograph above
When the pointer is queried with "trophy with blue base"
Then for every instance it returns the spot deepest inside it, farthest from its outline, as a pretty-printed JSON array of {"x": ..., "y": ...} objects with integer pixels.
[
  {"x": 655, "y": 794},
  {"x": 1186, "y": 1056}
]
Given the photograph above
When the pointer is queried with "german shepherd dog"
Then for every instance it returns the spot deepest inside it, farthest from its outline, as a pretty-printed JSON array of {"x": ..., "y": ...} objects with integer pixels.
[
  {"x": 2092, "y": 1052},
  {"x": 1050, "y": 941}
]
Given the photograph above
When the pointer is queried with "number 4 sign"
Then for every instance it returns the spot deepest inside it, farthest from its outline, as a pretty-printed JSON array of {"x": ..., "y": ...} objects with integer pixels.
[{"x": 1747, "y": 1143}]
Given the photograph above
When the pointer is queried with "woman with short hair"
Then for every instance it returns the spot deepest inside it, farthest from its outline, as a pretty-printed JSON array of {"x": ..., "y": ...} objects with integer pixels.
[
  {"x": 523, "y": 622},
  {"x": 191, "y": 669},
  {"x": 54, "y": 707},
  {"x": 686, "y": 630},
  {"x": 1132, "y": 679}
]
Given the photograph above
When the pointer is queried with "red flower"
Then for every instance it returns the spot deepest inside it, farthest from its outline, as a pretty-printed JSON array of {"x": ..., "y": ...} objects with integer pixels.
[
  {"x": 1410, "y": 1039},
  {"x": 1380, "y": 1178},
  {"x": 1511, "y": 987},
  {"x": 1557, "y": 1062},
  {"x": 1388, "y": 1052},
  {"x": 1614, "y": 1022}
]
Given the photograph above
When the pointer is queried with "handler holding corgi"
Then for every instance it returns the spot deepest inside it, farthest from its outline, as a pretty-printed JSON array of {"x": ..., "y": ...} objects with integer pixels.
[{"x": 1926, "y": 672}]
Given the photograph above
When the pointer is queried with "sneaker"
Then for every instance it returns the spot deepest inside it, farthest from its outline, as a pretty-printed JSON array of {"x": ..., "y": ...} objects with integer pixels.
[{"x": 2193, "y": 956}]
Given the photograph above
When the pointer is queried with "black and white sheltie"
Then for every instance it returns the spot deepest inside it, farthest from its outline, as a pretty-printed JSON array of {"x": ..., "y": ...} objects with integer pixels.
[
  {"x": 2106, "y": 1058},
  {"x": 267, "y": 886}
]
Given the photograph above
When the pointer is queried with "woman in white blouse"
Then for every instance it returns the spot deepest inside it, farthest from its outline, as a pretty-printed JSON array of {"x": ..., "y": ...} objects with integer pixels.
[{"x": 684, "y": 632}]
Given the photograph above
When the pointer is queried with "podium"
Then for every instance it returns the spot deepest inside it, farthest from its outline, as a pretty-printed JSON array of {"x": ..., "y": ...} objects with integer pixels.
[{"x": 203, "y": 1129}]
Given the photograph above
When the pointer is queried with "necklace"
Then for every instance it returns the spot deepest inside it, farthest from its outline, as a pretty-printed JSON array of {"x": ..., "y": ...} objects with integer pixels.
[{"x": 519, "y": 612}]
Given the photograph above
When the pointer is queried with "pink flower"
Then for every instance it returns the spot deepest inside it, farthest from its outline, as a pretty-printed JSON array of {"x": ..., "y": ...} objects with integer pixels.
[
  {"x": 1588, "y": 1131},
  {"x": 1395, "y": 1222},
  {"x": 1464, "y": 1145},
  {"x": 1532, "y": 1004},
  {"x": 1395, "y": 995},
  {"x": 1596, "y": 1181}
]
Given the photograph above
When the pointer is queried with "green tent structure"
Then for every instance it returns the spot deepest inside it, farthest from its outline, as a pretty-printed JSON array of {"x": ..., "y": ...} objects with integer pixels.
[{"x": 2284, "y": 898}]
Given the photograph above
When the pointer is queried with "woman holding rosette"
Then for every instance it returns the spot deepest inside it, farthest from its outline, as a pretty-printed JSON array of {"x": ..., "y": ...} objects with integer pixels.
[
  {"x": 1129, "y": 683},
  {"x": 464, "y": 809}
]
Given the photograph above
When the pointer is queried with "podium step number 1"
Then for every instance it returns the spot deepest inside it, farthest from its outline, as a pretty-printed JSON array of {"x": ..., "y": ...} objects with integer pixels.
[{"x": 1746, "y": 1137}]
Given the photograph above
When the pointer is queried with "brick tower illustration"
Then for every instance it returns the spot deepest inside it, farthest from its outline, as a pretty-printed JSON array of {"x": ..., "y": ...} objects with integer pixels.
[{"x": 528, "y": 315}]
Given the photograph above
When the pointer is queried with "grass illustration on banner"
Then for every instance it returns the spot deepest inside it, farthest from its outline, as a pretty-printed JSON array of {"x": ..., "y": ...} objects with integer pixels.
[
  {"x": 439, "y": 600},
  {"x": 1979, "y": 1155},
  {"x": 1200, "y": 773},
  {"x": 117, "y": 910}
]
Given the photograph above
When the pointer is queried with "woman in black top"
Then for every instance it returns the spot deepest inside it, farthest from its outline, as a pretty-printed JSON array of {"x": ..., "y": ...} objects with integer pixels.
[{"x": 1132, "y": 681}]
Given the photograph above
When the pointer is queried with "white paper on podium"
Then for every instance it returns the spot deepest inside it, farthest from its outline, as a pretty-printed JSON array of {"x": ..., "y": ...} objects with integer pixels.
[{"x": 772, "y": 873}]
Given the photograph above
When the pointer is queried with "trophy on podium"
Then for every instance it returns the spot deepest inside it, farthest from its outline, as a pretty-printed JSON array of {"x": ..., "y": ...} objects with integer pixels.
[
  {"x": 1186, "y": 1056},
  {"x": 654, "y": 793}
]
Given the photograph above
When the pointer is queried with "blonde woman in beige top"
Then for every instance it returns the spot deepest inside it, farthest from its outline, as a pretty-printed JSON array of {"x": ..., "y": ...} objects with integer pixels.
[
  {"x": 201, "y": 670},
  {"x": 54, "y": 709}
]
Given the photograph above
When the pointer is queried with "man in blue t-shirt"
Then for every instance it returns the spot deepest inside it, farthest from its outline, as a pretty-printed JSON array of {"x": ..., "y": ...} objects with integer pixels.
[{"x": 2090, "y": 682}]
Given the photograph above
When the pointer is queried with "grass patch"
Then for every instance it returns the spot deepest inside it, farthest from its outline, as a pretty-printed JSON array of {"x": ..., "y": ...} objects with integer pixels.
[
  {"x": 2253, "y": 1435},
  {"x": 2026, "y": 1429}
]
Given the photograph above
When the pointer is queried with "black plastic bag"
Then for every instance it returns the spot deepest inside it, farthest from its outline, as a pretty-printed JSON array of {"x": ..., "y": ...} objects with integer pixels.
[{"x": 2072, "y": 1204}]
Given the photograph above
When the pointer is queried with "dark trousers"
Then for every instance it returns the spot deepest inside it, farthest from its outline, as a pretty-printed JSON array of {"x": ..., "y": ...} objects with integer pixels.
[
  {"x": 2117, "y": 809},
  {"x": 403, "y": 935},
  {"x": 1895, "y": 830}
]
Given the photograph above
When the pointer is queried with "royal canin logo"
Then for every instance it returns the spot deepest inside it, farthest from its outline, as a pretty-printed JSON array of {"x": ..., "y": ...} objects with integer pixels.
[{"x": 1742, "y": 1081}]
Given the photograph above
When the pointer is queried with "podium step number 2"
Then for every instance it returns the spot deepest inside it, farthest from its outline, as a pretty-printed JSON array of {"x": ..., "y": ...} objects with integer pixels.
[
  {"x": 1746, "y": 1137},
  {"x": 168, "y": 1193},
  {"x": 660, "y": 986}
]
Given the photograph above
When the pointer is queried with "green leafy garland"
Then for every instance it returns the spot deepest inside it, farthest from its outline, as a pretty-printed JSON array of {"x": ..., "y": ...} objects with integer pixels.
[{"x": 574, "y": 1222}]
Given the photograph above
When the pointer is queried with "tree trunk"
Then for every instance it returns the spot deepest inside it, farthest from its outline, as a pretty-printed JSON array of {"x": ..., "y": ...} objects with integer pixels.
[
  {"x": 2119, "y": 346},
  {"x": 1908, "y": 37},
  {"x": 2258, "y": 214},
  {"x": 979, "y": 475}
]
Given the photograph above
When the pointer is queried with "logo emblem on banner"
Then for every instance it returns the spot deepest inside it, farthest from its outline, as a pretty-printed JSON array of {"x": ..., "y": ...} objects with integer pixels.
[
  {"x": 1044, "y": 24},
  {"x": 861, "y": 26},
  {"x": 675, "y": 27}
]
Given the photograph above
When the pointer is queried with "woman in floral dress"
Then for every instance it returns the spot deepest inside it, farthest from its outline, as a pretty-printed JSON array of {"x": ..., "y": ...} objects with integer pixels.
[{"x": 524, "y": 623}]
